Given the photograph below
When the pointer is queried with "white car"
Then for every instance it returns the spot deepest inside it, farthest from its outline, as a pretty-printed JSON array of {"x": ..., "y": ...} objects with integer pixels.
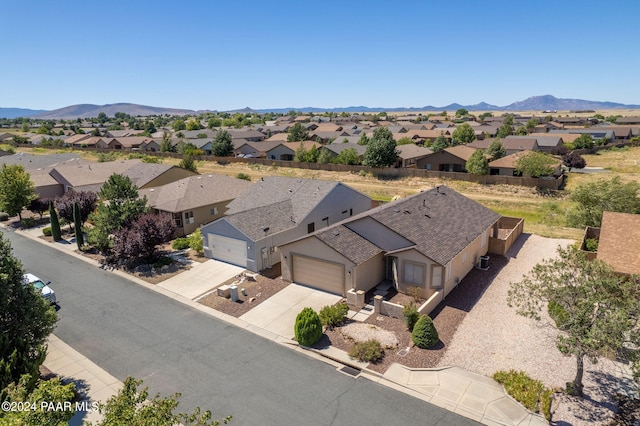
[{"x": 44, "y": 289}]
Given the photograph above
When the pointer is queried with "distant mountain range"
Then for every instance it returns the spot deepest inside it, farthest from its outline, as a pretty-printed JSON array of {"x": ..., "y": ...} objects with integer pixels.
[{"x": 534, "y": 103}]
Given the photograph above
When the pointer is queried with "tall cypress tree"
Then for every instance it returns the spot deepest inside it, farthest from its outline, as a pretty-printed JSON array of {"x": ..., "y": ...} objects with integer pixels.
[
  {"x": 77, "y": 223},
  {"x": 56, "y": 233}
]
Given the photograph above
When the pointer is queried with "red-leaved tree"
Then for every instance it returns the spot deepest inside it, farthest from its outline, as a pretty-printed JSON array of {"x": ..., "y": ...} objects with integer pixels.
[
  {"x": 142, "y": 238},
  {"x": 86, "y": 201}
]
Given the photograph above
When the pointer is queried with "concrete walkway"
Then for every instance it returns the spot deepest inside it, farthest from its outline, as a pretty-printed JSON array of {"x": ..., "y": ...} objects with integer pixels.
[{"x": 471, "y": 395}]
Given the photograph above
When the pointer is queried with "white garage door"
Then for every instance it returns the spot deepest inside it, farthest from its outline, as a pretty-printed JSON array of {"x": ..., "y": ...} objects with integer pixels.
[
  {"x": 323, "y": 275},
  {"x": 228, "y": 249}
]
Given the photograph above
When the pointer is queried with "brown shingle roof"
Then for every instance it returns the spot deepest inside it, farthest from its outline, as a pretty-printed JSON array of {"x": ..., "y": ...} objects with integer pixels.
[{"x": 619, "y": 244}]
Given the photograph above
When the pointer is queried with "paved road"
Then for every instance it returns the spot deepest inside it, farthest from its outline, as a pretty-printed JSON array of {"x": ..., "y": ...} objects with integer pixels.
[{"x": 132, "y": 331}]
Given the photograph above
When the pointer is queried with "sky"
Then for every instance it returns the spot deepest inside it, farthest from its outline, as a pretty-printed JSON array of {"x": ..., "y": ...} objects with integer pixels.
[{"x": 221, "y": 55}]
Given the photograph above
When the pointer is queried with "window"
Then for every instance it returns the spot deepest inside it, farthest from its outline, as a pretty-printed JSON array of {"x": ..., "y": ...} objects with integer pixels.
[
  {"x": 188, "y": 217},
  {"x": 177, "y": 218},
  {"x": 311, "y": 227},
  {"x": 413, "y": 273},
  {"x": 214, "y": 211}
]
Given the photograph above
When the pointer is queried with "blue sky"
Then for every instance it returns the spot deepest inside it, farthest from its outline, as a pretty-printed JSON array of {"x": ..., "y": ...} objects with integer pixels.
[{"x": 227, "y": 55}]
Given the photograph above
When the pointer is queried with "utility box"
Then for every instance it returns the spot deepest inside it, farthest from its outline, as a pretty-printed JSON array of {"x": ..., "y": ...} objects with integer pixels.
[
  {"x": 233, "y": 291},
  {"x": 484, "y": 262}
]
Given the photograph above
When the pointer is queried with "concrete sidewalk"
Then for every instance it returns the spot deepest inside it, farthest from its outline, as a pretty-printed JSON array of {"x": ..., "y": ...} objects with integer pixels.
[
  {"x": 471, "y": 395},
  {"x": 92, "y": 382}
]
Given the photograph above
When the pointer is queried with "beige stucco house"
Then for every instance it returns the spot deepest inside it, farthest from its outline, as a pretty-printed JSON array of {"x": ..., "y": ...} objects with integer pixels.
[
  {"x": 195, "y": 200},
  {"x": 430, "y": 240}
]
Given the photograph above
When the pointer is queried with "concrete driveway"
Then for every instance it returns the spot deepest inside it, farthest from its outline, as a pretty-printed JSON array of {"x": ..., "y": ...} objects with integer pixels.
[
  {"x": 201, "y": 278},
  {"x": 278, "y": 313}
]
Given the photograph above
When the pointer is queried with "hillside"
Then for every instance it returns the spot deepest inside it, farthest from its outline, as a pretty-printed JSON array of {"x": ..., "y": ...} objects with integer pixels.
[
  {"x": 19, "y": 112},
  {"x": 90, "y": 110}
]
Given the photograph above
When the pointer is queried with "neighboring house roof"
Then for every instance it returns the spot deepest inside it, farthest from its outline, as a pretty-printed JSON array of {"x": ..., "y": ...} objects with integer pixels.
[
  {"x": 461, "y": 151},
  {"x": 546, "y": 140},
  {"x": 412, "y": 151},
  {"x": 90, "y": 177},
  {"x": 143, "y": 173},
  {"x": 619, "y": 242},
  {"x": 194, "y": 191},
  {"x": 280, "y": 137},
  {"x": 276, "y": 217},
  {"x": 337, "y": 147},
  {"x": 508, "y": 162},
  {"x": 132, "y": 141},
  {"x": 31, "y": 161}
]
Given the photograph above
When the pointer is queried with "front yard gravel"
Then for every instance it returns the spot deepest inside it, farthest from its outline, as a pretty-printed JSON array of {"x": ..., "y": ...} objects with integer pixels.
[{"x": 493, "y": 337}]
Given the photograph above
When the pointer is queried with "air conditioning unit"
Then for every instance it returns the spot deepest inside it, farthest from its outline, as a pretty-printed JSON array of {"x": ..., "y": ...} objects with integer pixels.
[{"x": 483, "y": 263}]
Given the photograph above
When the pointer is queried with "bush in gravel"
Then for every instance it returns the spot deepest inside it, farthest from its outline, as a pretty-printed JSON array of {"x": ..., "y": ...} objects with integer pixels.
[
  {"x": 308, "y": 328},
  {"x": 424, "y": 334},
  {"x": 180, "y": 243},
  {"x": 527, "y": 391},
  {"x": 334, "y": 315},
  {"x": 46, "y": 231},
  {"x": 411, "y": 315},
  {"x": 369, "y": 351},
  {"x": 28, "y": 222},
  {"x": 4, "y": 217}
]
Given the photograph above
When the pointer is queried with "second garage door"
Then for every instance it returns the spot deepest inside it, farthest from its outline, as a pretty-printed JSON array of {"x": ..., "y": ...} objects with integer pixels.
[
  {"x": 323, "y": 275},
  {"x": 228, "y": 249}
]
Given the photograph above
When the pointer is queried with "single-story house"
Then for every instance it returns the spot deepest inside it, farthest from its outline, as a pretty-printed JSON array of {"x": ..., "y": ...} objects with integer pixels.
[
  {"x": 619, "y": 242},
  {"x": 334, "y": 149},
  {"x": 410, "y": 154},
  {"x": 452, "y": 159},
  {"x": 276, "y": 210},
  {"x": 244, "y": 148},
  {"x": 506, "y": 166},
  {"x": 430, "y": 240},
  {"x": 195, "y": 200},
  {"x": 286, "y": 150}
]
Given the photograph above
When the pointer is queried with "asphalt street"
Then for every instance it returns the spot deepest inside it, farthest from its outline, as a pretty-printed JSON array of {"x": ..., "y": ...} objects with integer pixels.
[{"x": 129, "y": 330}]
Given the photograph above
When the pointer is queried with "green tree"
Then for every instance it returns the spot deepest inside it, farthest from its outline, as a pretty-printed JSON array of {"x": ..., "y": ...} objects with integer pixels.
[
  {"x": 348, "y": 156},
  {"x": 193, "y": 124},
  {"x": 300, "y": 153},
  {"x": 505, "y": 130},
  {"x": 485, "y": 115},
  {"x": 56, "y": 232},
  {"x": 461, "y": 112},
  {"x": 188, "y": 163},
  {"x": 16, "y": 189},
  {"x": 584, "y": 141},
  {"x": 496, "y": 150},
  {"x": 26, "y": 320},
  {"x": 405, "y": 141},
  {"x": 165, "y": 144},
  {"x": 477, "y": 164},
  {"x": 214, "y": 122},
  {"x": 440, "y": 143},
  {"x": 531, "y": 125},
  {"x": 463, "y": 134},
  {"x": 51, "y": 391},
  {"x": 312, "y": 155},
  {"x": 195, "y": 241},
  {"x": 297, "y": 133},
  {"x": 521, "y": 131},
  {"x": 324, "y": 156},
  {"x": 179, "y": 124},
  {"x": 222, "y": 145},
  {"x": 508, "y": 119},
  {"x": 364, "y": 140},
  {"x": 596, "y": 310},
  {"x": 593, "y": 198},
  {"x": 381, "y": 150},
  {"x": 536, "y": 164},
  {"x": 119, "y": 208},
  {"x": 133, "y": 406}
]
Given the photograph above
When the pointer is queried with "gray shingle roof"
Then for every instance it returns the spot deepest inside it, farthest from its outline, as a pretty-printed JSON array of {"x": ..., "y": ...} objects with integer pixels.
[
  {"x": 349, "y": 244},
  {"x": 440, "y": 222},
  {"x": 277, "y": 217},
  {"x": 194, "y": 191}
]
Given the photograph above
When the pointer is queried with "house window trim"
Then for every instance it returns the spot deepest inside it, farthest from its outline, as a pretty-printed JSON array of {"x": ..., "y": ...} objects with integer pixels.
[
  {"x": 214, "y": 211},
  {"x": 177, "y": 218},
  {"x": 188, "y": 218},
  {"x": 311, "y": 227}
]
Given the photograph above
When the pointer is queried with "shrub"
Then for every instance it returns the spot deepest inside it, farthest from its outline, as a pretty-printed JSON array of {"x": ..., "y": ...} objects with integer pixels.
[
  {"x": 415, "y": 292},
  {"x": 308, "y": 328},
  {"x": 334, "y": 315},
  {"x": 591, "y": 244},
  {"x": 243, "y": 176},
  {"x": 424, "y": 334},
  {"x": 411, "y": 316},
  {"x": 529, "y": 392},
  {"x": 28, "y": 222},
  {"x": 195, "y": 241},
  {"x": 369, "y": 351},
  {"x": 47, "y": 231},
  {"x": 180, "y": 243},
  {"x": 4, "y": 217},
  {"x": 162, "y": 261}
]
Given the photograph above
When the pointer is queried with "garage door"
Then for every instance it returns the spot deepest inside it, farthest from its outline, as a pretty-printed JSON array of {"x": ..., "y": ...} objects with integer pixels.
[
  {"x": 228, "y": 249},
  {"x": 320, "y": 274}
]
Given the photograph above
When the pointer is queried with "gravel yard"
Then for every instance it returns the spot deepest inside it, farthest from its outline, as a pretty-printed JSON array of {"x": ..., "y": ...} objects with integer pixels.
[{"x": 492, "y": 337}]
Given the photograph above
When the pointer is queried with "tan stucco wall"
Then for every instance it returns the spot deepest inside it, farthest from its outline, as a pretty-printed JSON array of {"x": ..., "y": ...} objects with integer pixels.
[
  {"x": 414, "y": 257},
  {"x": 459, "y": 268},
  {"x": 201, "y": 216},
  {"x": 369, "y": 273}
]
